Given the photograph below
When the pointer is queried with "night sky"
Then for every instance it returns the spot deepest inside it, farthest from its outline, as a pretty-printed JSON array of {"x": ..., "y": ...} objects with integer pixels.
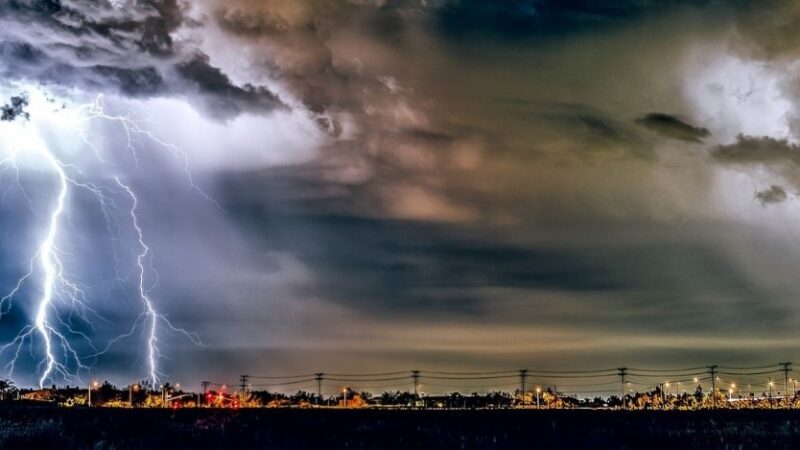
[{"x": 429, "y": 184}]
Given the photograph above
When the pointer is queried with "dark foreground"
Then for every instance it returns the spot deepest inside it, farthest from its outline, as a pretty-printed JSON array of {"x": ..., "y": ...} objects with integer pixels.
[{"x": 43, "y": 428}]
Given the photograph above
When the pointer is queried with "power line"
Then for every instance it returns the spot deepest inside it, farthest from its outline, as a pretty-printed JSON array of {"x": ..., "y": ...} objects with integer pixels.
[
  {"x": 289, "y": 383},
  {"x": 582, "y": 380},
  {"x": 494, "y": 377},
  {"x": 381, "y": 374},
  {"x": 280, "y": 377},
  {"x": 367, "y": 379},
  {"x": 750, "y": 367},
  {"x": 685, "y": 369},
  {"x": 467, "y": 373},
  {"x": 663, "y": 375},
  {"x": 768, "y": 372}
]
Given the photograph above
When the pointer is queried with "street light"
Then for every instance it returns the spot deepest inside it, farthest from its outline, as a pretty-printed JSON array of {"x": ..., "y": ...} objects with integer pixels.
[
  {"x": 538, "y": 391},
  {"x": 92, "y": 386},
  {"x": 344, "y": 394},
  {"x": 131, "y": 388},
  {"x": 771, "y": 383}
]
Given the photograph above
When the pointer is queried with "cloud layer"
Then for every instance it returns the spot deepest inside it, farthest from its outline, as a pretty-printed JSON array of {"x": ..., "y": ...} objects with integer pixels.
[
  {"x": 118, "y": 46},
  {"x": 507, "y": 182}
]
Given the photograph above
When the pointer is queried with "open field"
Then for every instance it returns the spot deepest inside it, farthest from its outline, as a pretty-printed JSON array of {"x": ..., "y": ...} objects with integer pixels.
[{"x": 38, "y": 428}]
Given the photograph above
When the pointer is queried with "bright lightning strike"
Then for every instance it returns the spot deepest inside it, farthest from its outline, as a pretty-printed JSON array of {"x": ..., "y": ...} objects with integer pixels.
[
  {"x": 61, "y": 298},
  {"x": 152, "y": 316},
  {"x": 51, "y": 265}
]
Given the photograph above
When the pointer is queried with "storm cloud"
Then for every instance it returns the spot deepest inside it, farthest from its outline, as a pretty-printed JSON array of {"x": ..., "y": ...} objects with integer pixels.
[
  {"x": 671, "y": 126},
  {"x": 772, "y": 195},
  {"x": 459, "y": 184},
  {"x": 124, "y": 47}
]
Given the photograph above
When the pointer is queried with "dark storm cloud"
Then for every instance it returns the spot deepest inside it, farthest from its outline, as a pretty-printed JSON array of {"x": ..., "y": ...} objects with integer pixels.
[
  {"x": 516, "y": 19},
  {"x": 429, "y": 272},
  {"x": 590, "y": 131},
  {"x": 427, "y": 205},
  {"x": 758, "y": 150},
  {"x": 600, "y": 134},
  {"x": 14, "y": 109},
  {"x": 126, "y": 48},
  {"x": 772, "y": 195},
  {"x": 227, "y": 99},
  {"x": 779, "y": 156},
  {"x": 673, "y": 127}
]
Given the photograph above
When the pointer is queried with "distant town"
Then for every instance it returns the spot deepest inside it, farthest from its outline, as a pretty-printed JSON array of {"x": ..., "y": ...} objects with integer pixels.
[{"x": 706, "y": 387}]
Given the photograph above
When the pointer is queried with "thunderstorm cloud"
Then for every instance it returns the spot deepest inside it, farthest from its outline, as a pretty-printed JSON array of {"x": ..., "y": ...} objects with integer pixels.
[
  {"x": 671, "y": 126},
  {"x": 119, "y": 46},
  {"x": 772, "y": 195},
  {"x": 445, "y": 184}
]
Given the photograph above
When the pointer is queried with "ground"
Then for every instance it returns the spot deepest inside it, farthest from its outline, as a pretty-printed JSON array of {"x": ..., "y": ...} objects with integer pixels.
[{"x": 119, "y": 429}]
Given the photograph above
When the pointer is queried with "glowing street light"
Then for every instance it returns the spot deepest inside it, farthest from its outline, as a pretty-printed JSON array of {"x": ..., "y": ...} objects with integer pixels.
[
  {"x": 344, "y": 393},
  {"x": 538, "y": 391},
  {"x": 131, "y": 388},
  {"x": 771, "y": 384},
  {"x": 92, "y": 386}
]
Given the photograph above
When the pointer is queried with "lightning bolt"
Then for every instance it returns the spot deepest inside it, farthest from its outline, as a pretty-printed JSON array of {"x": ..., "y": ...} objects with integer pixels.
[
  {"x": 51, "y": 265},
  {"x": 54, "y": 328},
  {"x": 152, "y": 316}
]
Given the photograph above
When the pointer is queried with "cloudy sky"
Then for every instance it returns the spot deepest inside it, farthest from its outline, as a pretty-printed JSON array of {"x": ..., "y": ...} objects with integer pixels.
[{"x": 372, "y": 185}]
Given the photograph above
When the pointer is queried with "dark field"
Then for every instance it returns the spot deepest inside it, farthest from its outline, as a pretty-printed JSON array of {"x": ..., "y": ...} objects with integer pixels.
[{"x": 45, "y": 428}]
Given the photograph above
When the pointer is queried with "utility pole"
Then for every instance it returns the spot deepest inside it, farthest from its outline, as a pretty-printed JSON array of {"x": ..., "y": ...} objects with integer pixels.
[
  {"x": 712, "y": 370},
  {"x": 204, "y": 385},
  {"x": 786, "y": 369},
  {"x": 622, "y": 371},
  {"x": 523, "y": 374},
  {"x": 319, "y": 377},
  {"x": 242, "y": 386},
  {"x": 415, "y": 377}
]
